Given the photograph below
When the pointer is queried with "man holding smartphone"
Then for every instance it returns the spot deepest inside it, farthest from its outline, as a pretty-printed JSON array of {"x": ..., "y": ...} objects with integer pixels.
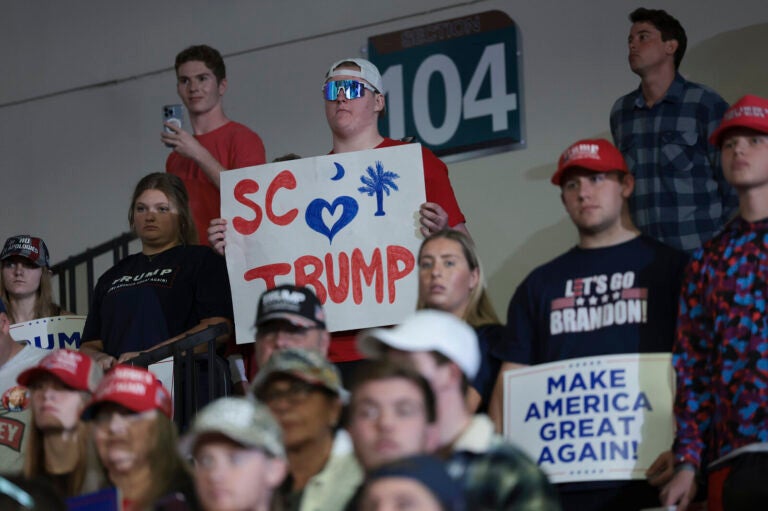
[{"x": 216, "y": 143}]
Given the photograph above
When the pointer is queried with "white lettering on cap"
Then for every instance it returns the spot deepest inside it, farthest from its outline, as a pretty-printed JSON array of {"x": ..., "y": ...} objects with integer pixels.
[
  {"x": 283, "y": 295},
  {"x": 582, "y": 151},
  {"x": 65, "y": 360}
]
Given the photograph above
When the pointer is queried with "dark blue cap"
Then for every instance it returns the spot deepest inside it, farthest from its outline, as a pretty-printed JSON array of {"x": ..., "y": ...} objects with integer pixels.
[{"x": 430, "y": 472}]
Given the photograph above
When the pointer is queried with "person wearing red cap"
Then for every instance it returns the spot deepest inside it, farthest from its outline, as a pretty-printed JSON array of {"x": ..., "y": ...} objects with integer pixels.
[
  {"x": 130, "y": 414},
  {"x": 613, "y": 272},
  {"x": 15, "y": 412},
  {"x": 60, "y": 447},
  {"x": 25, "y": 279},
  {"x": 721, "y": 351}
]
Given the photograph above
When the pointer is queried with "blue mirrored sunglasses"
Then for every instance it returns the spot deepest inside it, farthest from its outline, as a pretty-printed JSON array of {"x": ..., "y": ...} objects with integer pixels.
[{"x": 352, "y": 89}]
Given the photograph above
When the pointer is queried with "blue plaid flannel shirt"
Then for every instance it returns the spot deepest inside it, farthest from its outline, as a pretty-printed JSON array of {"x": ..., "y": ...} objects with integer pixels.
[{"x": 681, "y": 196}]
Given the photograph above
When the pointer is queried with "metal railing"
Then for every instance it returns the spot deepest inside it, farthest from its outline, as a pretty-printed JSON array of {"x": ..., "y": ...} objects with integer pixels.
[
  {"x": 66, "y": 271},
  {"x": 187, "y": 371},
  {"x": 191, "y": 391}
]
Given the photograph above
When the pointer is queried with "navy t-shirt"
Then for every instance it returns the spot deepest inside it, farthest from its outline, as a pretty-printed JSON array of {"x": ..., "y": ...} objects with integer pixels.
[
  {"x": 145, "y": 300},
  {"x": 488, "y": 336},
  {"x": 600, "y": 301}
]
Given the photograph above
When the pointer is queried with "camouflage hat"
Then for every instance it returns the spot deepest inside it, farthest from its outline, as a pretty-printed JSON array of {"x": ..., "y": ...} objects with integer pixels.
[
  {"x": 307, "y": 365},
  {"x": 244, "y": 421}
]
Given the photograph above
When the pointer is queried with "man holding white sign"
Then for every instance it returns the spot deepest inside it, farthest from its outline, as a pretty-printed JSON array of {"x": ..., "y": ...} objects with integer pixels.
[
  {"x": 354, "y": 98},
  {"x": 353, "y": 118},
  {"x": 614, "y": 293}
]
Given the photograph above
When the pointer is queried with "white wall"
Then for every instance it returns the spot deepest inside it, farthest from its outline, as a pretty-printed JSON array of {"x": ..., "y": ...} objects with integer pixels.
[{"x": 71, "y": 151}]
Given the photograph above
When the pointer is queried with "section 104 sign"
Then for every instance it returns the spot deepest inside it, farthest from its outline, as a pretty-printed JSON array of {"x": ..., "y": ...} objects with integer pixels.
[{"x": 454, "y": 85}]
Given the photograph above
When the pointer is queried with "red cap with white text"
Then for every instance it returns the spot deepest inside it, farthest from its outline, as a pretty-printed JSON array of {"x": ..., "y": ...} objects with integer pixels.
[
  {"x": 135, "y": 388},
  {"x": 74, "y": 369},
  {"x": 748, "y": 112},
  {"x": 597, "y": 155}
]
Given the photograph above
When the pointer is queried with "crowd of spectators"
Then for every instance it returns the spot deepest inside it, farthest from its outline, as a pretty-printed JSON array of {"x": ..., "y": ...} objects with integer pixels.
[{"x": 409, "y": 416}]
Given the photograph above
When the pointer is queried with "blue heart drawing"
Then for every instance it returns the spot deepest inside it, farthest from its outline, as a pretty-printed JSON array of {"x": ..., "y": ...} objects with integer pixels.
[{"x": 314, "y": 215}]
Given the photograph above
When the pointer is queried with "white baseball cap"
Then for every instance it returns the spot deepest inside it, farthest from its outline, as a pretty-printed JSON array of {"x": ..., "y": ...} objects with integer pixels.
[
  {"x": 368, "y": 72},
  {"x": 427, "y": 330}
]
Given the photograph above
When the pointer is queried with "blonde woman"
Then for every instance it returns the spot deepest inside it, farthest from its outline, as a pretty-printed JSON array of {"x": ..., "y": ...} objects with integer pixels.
[{"x": 451, "y": 280}]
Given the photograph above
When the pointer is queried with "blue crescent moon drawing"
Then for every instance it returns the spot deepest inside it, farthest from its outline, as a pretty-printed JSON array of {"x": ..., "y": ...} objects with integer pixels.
[{"x": 339, "y": 172}]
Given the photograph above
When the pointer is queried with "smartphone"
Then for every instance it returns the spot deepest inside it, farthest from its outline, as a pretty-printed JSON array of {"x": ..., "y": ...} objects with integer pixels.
[{"x": 173, "y": 114}]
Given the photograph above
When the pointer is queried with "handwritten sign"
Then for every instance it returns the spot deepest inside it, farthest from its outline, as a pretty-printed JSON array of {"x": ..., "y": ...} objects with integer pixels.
[
  {"x": 344, "y": 224},
  {"x": 51, "y": 333},
  {"x": 593, "y": 418}
]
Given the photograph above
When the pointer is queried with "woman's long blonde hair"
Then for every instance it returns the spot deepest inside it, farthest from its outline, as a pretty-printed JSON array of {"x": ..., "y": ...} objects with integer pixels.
[
  {"x": 87, "y": 465},
  {"x": 166, "y": 462},
  {"x": 479, "y": 310}
]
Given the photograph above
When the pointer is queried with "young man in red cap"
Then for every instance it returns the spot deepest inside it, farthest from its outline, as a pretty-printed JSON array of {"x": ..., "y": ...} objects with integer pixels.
[
  {"x": 15, "y": 411},
  {"x": 721, "y": 350},
  {"x": 612, "y": 269},
  {"x": 60, "y": 447}
]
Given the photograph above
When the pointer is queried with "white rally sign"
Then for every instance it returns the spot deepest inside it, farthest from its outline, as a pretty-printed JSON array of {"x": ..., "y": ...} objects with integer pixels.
[
  {"x": 51, "y": 333},
  {"x": 594, "y": 418},
  {"x": 344, "y": 224}
]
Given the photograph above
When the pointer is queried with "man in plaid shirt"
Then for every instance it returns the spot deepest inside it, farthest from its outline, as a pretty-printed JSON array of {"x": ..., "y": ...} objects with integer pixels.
[{"x": 681, "y": 197}]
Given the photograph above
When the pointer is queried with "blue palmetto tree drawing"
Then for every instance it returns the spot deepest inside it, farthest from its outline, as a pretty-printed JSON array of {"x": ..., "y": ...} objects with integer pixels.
[{"x": 378, "y": 182}]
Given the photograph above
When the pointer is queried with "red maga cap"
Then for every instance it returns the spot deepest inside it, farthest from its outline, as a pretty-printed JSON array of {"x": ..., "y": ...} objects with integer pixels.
[
  {"x": 748, "y": 112},
  {"x": 71, "y": 367},
  {"x": 597, "y": 155},
  {"x": 135, "y": 388}
]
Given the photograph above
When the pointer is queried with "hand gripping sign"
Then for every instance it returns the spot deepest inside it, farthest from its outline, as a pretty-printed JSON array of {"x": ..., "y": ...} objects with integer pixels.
[
  {"x": 593, "y": 418},
  {"x": 344, "y": 224}
]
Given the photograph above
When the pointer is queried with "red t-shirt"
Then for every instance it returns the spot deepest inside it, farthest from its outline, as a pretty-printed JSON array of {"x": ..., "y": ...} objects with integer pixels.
[
  {"x": 234, "y": 146},
  {"x": 436, "y": 183}
]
